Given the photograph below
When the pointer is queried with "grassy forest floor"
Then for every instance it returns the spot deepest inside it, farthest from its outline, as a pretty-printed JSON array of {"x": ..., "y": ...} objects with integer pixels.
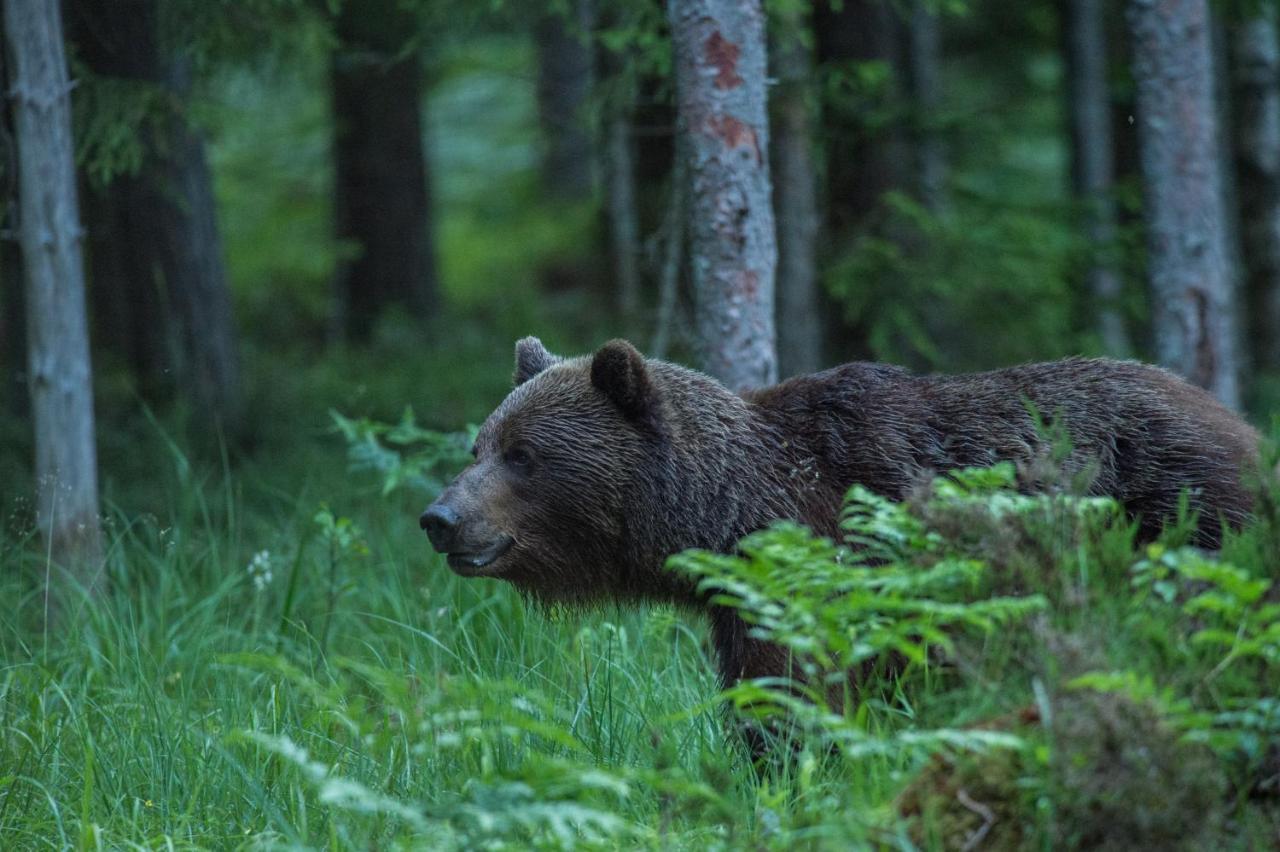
[{"x": 282, "y": 662}]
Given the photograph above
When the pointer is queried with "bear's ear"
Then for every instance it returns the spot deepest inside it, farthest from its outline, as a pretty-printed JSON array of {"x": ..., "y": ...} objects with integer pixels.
[
  {"x": 618, "y": 370},
  {"x": 531, "y": 359}
]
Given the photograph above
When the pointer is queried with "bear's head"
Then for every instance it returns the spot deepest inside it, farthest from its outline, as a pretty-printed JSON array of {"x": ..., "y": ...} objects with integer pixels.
[{"x": 570, "y": 496}]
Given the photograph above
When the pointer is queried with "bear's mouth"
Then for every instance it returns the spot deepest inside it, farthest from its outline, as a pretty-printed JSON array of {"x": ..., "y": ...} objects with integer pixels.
[{"x": 471, "y": 563}]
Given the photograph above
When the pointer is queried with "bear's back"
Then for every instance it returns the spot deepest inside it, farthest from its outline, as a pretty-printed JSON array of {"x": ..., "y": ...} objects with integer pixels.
[{"x": 1141, "y": 433}]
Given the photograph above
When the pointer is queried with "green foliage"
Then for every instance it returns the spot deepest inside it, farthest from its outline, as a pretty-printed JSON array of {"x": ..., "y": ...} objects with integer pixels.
[
  {"x": 637, "y": 36},
  {"x": 1231, "y": 619},
  {"x": 404, "y": 454},
  {"x": 112, "y": 118},
  {"x": 901, "y": 589},
  {"x": 989, "y": 289},
  {"x": 897, "y": 590}
]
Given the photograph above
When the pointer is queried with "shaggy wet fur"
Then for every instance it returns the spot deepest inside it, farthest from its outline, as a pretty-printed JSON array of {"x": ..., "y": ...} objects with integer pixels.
[{"x": 599, "y": 468}]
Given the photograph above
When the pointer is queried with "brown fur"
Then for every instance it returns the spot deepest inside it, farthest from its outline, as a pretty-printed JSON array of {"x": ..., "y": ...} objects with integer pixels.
[{"x": 594, "y": 470}]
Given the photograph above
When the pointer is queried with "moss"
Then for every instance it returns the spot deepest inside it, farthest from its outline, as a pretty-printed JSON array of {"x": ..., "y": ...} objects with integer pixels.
[
  {"x": 1106, "y": 773},
  {"x": 1125, "y": 780}
]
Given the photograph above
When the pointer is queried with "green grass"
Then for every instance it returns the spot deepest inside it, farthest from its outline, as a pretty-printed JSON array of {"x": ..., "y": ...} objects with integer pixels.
[{"x": 123, "y": 723}]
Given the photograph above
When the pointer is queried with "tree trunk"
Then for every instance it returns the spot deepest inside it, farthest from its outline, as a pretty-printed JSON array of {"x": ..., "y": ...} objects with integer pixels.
[
  {"x": 59, "y": 375},
  {"x": 158, "y": 283},
  {"x": 863, "y": 161},
  {"x": 924, "y": 83},
  {"x": 1256, "y": 87},
  {"x": 381, "y": 203},
  {"x": 13, "y": 344},
  {"x": 565, "y": 79},
  {"x": 618, "y": 91},
  {"x": 200, "y": 291},
  {"x": 14, "y": 399},
  {"x": 796, "y": 202},
  {"x": 723, "y": 123},
  {"x": 624, "y": 217},
  {"x": 1187, "y": 262},
  {"x": 1092, "y": 166},
  {"x": 673, "y": 255}
]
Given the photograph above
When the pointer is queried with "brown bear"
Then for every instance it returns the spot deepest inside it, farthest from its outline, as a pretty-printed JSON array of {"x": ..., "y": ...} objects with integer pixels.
[{"x": 595, "y": 469}]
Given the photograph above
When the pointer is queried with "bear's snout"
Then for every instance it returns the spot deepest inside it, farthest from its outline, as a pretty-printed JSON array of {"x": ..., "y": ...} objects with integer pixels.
[
  {"x": 441, "y": 525},
  {"x": 470, "y": 547}
]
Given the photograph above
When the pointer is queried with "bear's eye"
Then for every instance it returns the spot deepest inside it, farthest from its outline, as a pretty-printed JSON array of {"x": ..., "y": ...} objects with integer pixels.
[{"x": 519, "y": 458}]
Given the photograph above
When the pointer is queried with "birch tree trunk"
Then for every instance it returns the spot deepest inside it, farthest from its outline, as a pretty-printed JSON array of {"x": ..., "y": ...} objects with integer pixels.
[
  {"x": 723, "y": 123},
  {"x": 795, "y": 201},
  {"x": 1187, "y": 259},
  {"x": 59, "y": 375},
  {"x": 1092, "y": 165},
  {"x": 1256, "y": 92}
]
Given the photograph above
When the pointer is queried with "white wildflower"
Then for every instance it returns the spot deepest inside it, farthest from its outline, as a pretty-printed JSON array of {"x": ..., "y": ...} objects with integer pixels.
[{"x": 260, "y": 569}]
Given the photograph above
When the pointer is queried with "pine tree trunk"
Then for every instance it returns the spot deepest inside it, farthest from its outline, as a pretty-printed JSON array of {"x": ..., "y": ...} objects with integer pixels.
[
  {"x": 14, "y": 400},
  {"x": 1092, "y": 165},
  {"x": 924, "y": 82},
  {"x": 675, "y": 229},
  {"x": 1256, "y": 65},
  {"x": 1187, "y": 254},
  {"x": 59, "y": 374},
  {"x": 721, "y": 106},
  {"x": 624, "y": 215},
  {"x": 796, "y": 202},
  {"x": 382, "y": 200},
  {"x": 199, "y": 287},
  {"x": 863, "y": 162},
  {"x": 159, "y": 287},
  {"x": 565, "y": 78}
]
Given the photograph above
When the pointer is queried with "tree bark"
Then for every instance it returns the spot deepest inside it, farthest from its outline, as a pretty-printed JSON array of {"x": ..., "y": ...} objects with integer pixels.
[
  {"x": 723, "y": 123},
  {"x": 382, "y": 200},
  {"x": 1187, "y": 254},
  {"x": 1256, "y": 65},
  {"x": 796, "y": 201},
  {"x": 1092, "y": 165},
  {"x": 624, "y": 217},
  {"x": 59, "y": 375},
  {"x": 862, "y": 162},
  {"x": 565, "y": 78},
  {"x": 618, "y": 88},
  {"x": 13, "y": 344},
  {"x": 924, "y": 84},
  {"x": 158, "y": 282},
  {"x": 673, "y": 256}
]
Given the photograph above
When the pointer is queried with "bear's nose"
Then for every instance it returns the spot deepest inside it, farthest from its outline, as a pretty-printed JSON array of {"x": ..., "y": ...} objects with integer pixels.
[{"x": 441, "y": 525}]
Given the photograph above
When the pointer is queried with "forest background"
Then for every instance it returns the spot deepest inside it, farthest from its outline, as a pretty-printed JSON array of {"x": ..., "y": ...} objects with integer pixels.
[{"x": 305, "y": 221}]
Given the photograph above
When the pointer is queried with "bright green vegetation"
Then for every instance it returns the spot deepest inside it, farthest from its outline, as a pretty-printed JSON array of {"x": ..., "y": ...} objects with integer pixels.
[{"x": 279, "y": 668}]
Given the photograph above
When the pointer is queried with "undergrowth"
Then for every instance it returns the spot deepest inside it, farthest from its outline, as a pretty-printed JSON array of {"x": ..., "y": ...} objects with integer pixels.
[{"x": 305, "y": 674}]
